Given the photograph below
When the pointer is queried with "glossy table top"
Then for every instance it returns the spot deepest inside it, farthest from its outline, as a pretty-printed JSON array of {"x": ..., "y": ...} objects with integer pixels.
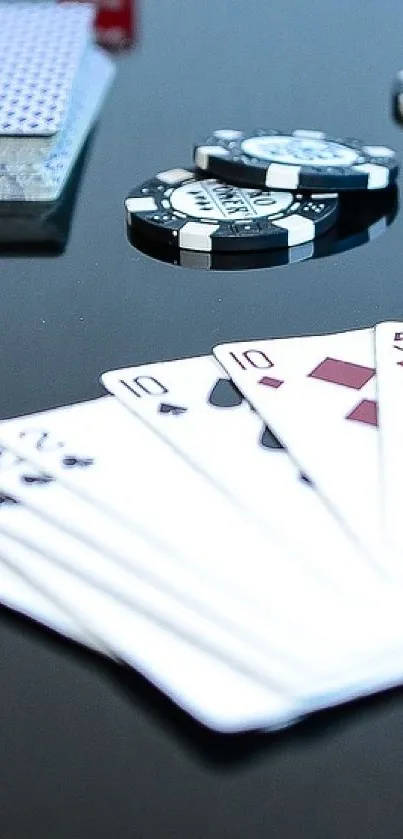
[{"x": 86, "y": 750}]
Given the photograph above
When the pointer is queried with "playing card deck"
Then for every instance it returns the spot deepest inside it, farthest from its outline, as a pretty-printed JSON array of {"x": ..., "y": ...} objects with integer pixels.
[
  {"x": 228, "y": 525},
  {"x": 53, "y": 82},
  {"x": 45, "y": 181},
  {"x": 37, "y": 228},
  {"x": 41, "y": 46}
]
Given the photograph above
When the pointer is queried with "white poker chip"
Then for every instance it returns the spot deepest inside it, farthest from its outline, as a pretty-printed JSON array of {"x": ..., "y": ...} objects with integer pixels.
[
  {"x": 300, "y": 160},
  {"x": 193, "y": 212}
]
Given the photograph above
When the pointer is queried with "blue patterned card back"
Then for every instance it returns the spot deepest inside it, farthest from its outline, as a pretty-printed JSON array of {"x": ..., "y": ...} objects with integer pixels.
[{"x": 41, "y": 48}]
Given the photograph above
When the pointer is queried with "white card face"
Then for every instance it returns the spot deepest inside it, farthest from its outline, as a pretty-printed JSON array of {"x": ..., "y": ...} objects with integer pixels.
[
  {"x": 186, "y": 672},
  {"x": 295, "y": 628},
  {"x": 45, "y": 181},
  {"x": 203, "y": 685},
  {"x": 247, "y": 636},
  {"x": 212, "y": 426},
  {"x": 318, "y": 394},
  {"x": 41, "y": 46},
  {"x": 138, "y": 577},
  {"x": 20, "y": 591},
  {"x": 389, "y": 367}
]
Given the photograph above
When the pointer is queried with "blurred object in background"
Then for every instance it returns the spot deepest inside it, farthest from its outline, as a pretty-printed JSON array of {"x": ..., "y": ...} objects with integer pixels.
[
  {"x": 115, "y": 22},
  {"x": 397, "y": 98}
]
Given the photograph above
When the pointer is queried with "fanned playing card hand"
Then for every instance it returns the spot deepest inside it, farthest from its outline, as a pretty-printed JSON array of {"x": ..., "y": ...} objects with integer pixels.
[{"x": 217, "y": 524}]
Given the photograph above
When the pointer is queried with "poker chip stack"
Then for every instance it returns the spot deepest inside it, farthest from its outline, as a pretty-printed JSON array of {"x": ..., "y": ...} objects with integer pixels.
[
  {"x": 262, "y": 192},
  {"x": 53, "y": 81}
]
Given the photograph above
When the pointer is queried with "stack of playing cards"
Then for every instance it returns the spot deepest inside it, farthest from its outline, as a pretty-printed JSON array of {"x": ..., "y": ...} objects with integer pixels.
[
  {"x": 37, "y": 228},
  {"x": 229, "y": 525},
  {"x": 53, "y": 81}
]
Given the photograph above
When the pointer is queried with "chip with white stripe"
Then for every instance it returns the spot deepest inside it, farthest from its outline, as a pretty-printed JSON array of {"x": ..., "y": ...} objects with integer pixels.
[
  {"x": 197, "y": 213},
  {"x": 360, "y": 222},
  {"x": 227, "y": 260},
  {"x": 299, "y": 160}
]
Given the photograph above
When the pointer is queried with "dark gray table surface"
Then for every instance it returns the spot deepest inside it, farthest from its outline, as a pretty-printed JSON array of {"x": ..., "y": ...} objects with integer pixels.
[{"x": 85, "y": 749}]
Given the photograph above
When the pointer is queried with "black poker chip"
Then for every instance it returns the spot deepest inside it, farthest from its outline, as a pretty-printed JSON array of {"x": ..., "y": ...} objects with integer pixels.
[
  {"x": 194, "y": 212},
  {"x": 222, "y": 260},
  {"x": 360, "y": 222},
  {"x": 299, "y": 160}
]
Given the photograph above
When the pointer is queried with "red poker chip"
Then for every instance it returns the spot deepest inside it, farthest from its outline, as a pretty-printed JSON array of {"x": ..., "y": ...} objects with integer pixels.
[{"x": 114, "y": 22}]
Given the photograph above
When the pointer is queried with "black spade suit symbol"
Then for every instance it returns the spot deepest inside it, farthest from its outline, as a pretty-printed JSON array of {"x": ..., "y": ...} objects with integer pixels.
[
  {"x": 268, "y": 440},
  {"x": 305, "y": 479},
  {"x": 71, "y": 461},
  {"x": 173, "y": 410},
  {"x": 225, "y": 395},
  {"x": 36, "y": 479},
  {"x": 7, "y": 499}
]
